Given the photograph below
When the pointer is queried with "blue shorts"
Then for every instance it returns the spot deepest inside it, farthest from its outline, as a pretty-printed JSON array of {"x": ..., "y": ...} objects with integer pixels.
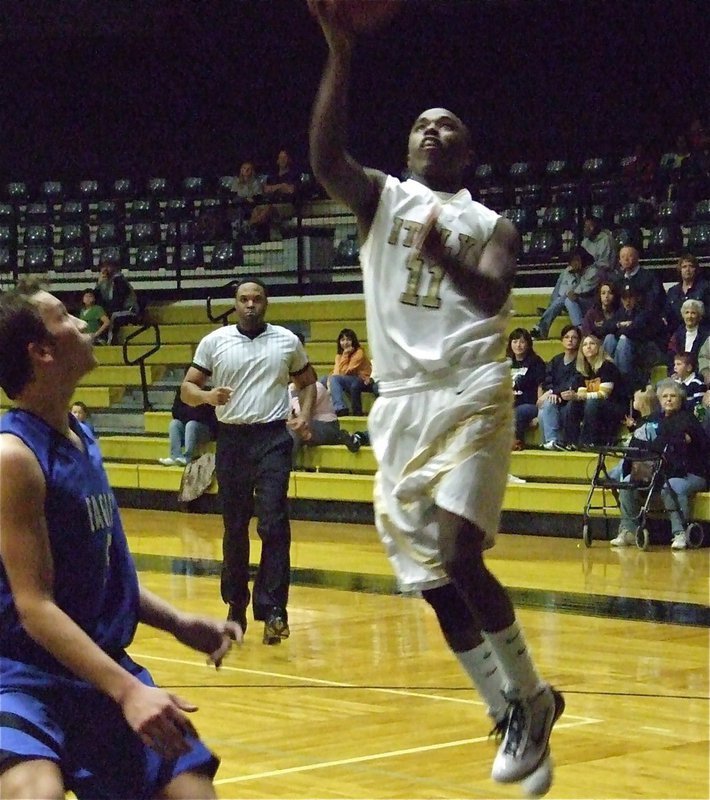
[{"x": 67, "y": 721}]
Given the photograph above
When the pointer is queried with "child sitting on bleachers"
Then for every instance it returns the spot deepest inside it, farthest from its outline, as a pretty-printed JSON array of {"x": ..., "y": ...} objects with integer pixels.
[{"x": 684, "y": 373}]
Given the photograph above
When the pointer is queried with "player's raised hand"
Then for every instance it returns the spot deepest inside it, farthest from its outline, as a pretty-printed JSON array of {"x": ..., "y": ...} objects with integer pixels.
[
  {"x": 333, "y": 21},
  {"x": 158, "y": 717},
  {"x": 428, "y": 241},
  {"x": 211, "y": 636}
]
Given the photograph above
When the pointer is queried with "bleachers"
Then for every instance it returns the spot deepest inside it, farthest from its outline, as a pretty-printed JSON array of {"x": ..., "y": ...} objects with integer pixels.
[{"x": 556, "y": 483}]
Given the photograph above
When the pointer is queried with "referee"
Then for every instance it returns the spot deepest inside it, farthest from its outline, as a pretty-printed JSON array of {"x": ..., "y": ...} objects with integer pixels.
[{"x": 250, "y": 365}]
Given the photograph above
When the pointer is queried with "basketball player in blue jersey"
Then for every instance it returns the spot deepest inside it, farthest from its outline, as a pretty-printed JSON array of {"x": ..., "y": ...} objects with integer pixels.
[
  {"x": 76, "y": 713},
  {"x": 437, "y": 273}
]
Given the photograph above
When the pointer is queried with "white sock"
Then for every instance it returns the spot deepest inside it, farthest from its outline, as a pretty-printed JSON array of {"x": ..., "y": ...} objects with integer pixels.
[
  {"x": 514, "y": 660},
  {"x": 481, "y": 665}
]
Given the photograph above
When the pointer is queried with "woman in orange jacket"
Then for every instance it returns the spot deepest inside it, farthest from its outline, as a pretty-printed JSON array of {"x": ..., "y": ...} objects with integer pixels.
[{"x": 351, "y": 376}]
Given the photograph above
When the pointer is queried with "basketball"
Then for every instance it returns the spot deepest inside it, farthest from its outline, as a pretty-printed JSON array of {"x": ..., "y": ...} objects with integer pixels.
[{"x": 367, "y": 15}]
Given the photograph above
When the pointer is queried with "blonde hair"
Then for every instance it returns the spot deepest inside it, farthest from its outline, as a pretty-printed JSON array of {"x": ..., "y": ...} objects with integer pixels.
[
  {"x": 584, "y": 365},
  {"x": 646, "y": 401}
]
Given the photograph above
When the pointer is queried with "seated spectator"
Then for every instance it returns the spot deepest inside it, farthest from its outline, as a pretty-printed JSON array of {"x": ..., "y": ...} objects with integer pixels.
[
  {"x": 704, "y": 361},
  {"x": 80, "y": 411},
  {"x": 248, "y": 190},
  {"x": 96, "y": 319},
  {"x": 599, "y": 243},
  {"x": 528, "y": 373},
  {"x": 598, "y": 405},
  {"x": 648, "y": 286},
  {"x": 117, "y": 297},
  {"x": 684, "y": 373},
  {"x": 702, "y": 412},
  {"x": 599, "y": 318},
  {"x": 574, "y": 291},
  {"x": 644, "y": 408},
  {"x": 323, "y": 426},
  {"x": 634, "y": 340},
  {"x": 247, "y": 186},
  {"x": 351, "y": 375},
  {"x": 691, "y": 286},
  {"x": 685, "y": 446},
  {"x": 561, "y": 381},
  {"x": 279, "y": 191},
  {"x": 691, "y": 334},
  {"x": 190, "y": 427}
]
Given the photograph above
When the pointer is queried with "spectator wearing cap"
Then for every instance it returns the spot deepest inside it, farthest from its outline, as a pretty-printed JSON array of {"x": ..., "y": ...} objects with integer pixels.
[
  {"x": 636, "y": 340},
  {"x": 574, "y": 291}
]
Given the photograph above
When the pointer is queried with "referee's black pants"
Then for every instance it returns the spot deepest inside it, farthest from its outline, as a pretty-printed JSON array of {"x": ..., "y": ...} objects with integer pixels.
[{"x": 254, "y": 464}]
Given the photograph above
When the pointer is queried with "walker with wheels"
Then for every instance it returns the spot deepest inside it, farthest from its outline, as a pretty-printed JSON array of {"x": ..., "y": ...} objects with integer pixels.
[{"x": 647, "y": 474}]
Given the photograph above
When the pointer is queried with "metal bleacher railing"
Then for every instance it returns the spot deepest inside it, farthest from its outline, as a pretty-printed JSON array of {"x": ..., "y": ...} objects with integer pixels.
[{"x": 166, "y": 250}]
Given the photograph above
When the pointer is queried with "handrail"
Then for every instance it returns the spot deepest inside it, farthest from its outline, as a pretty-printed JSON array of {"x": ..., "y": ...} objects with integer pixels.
[
  {"x": 221, "y": 318},
  {"x": 142, "y": 358}
]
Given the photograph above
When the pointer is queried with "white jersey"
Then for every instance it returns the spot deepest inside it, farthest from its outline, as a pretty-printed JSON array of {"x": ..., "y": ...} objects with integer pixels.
[
  {"x": 257, "y": 370},
  {"x": 417, "y": 322}
]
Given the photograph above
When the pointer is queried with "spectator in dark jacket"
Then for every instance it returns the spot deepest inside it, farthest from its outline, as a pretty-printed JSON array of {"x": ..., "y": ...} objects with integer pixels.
[
  {"x": 681, "y": 439},
  {"x": 190, "y": 427},
  {"x": 117, "y": 297},
  {"x": 528, "y": 373},
  {"x": 691, "y": 334},
  {"x": 691, "y": 286},
  {"x": 599, "y": 319},
  {"x": 634, "y": 341},
  {"x": 561, "y": 382}
]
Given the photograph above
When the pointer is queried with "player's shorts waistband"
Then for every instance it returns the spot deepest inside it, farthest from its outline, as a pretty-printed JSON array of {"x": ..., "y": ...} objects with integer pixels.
[
  {"x": 449, "y": 377},
  {"x": 422, "y": 382}
]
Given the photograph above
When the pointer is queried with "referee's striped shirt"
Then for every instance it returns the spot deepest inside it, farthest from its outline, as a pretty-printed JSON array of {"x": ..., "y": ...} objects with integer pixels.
[{"x": 257, "y": 370}]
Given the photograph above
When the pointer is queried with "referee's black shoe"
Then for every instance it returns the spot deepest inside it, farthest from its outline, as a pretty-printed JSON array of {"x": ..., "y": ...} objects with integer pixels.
[
  {"x": 238, "y": 615},
  {"x": 276, "y": 627}
]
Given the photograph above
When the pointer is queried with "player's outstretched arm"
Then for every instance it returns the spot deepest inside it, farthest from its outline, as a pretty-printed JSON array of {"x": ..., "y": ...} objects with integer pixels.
[
  {"x": 342, "y": 177},
  {"x": 211, "y": 636},
  {"x": 153, "y": 713}
]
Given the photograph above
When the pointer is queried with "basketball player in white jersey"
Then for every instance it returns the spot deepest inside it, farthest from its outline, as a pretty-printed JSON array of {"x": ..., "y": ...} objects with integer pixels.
[{"x": 437, "y": 273}]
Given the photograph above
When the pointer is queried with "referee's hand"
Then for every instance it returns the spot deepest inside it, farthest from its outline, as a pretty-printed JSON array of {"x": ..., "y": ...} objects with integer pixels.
[{"x": 219, "y": 395}]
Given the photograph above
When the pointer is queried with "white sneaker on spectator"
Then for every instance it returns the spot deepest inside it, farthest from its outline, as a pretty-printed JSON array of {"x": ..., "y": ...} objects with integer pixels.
[
  {"x": 166, "y": 462},
  {"x": 181, "y": 461},
  {"x": 515, "y": 479},
  {"x": 623, "y": 539},
  {"x": 526, "y": 730},
  {"x": 680, "y": 541}
]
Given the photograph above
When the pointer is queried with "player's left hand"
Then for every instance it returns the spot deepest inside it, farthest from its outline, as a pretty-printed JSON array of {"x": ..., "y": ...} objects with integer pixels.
[
  {"x": 428, "y": 242},
  {"x": 210, "y": 636}
]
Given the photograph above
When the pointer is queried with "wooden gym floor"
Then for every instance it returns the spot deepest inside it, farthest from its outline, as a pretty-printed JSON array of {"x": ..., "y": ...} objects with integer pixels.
[{"x": 365, "y": 701}]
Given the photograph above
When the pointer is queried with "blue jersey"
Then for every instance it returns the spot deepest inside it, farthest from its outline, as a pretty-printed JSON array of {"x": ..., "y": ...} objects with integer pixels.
[{"x": 95, "y": 581}]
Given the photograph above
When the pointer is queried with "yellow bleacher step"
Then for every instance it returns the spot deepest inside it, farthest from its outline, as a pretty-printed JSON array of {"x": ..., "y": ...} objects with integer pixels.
[
  {"x": 552, "y": 465},
  {"x": 332, "y": 486},
  {"x": 140, "y": 448},
  {"x": 121, "y": 376},
  {"x": 122, "y": 476},
  {"x": 527, "y": 303},
  {"x": 168, "y": 354},
  {"x": 337, "y": 458},
  {"x": 157, "y": 421},
  {"x": 94, "y": 396}
]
